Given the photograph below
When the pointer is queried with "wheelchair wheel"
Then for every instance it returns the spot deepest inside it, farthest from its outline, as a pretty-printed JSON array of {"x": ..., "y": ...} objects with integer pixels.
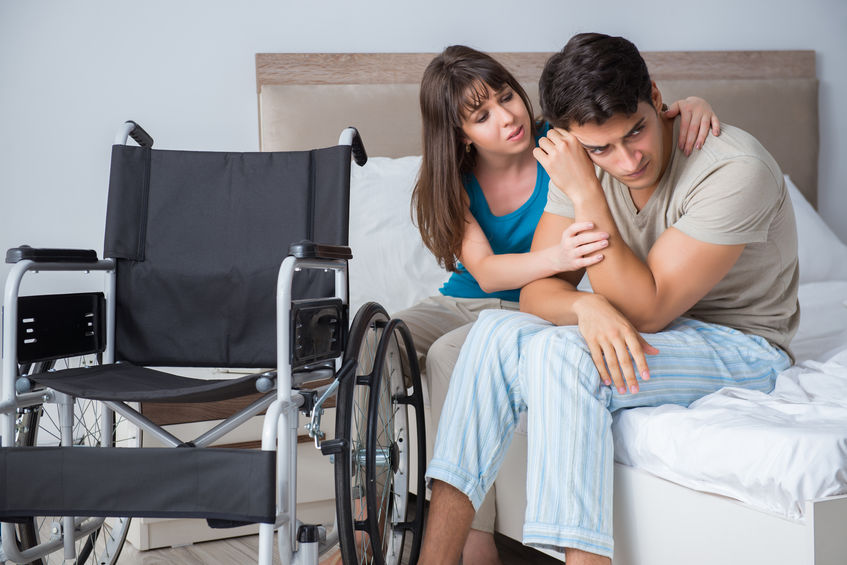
[
  {"x": 372, "y": 473},
  {"x": 39, "y": 425}
]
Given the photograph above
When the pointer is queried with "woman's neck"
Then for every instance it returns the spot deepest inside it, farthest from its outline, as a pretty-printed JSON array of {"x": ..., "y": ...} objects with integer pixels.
[
  {"x": 498, "y": 164},
  {"x": 507, "y": 181}
]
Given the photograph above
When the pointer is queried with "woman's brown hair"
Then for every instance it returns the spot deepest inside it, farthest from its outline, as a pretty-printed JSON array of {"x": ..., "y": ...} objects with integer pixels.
[{"x": 454, "y": 83}]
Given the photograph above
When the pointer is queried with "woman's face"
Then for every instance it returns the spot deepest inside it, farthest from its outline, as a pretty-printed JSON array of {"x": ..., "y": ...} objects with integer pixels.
[{"x": 499, "y": 124}]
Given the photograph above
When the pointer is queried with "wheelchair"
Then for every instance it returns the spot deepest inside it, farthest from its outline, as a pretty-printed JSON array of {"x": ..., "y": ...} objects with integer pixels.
[{"x": 215, "y": 260}]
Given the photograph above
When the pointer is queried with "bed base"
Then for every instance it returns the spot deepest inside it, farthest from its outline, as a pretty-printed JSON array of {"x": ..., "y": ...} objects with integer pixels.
[{"x": 692, "y": 527}]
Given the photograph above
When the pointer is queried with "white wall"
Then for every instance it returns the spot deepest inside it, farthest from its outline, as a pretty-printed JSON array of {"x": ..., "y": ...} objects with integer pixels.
[{"x": 71, "y": 72}]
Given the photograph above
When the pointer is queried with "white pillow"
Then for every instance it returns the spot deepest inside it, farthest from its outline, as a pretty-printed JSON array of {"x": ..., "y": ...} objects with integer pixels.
[
  {"x": 823, "y": 257},
  {"x": 390, "y": 264}
]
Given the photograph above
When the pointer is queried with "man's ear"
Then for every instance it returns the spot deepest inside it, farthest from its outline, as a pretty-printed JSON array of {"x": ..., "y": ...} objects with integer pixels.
[{"x": 656, "y": 97}]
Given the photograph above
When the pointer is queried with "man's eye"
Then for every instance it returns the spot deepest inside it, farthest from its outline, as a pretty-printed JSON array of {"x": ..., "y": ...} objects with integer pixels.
[
  {"x": 597, "y": 150},
  {"x": 635, "y": 132}
]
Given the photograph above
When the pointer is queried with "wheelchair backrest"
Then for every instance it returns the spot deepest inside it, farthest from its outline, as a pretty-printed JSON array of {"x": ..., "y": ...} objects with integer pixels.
[{"x": 199, "y": 238}]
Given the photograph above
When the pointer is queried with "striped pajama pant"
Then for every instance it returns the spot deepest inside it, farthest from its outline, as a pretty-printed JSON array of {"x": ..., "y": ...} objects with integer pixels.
[{"x": 513, "y": 362}]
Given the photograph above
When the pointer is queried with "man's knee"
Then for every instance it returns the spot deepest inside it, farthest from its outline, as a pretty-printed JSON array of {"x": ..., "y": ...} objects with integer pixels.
[
  {"x": 560, "y": 341},
  {"x": 504, "y": 331}
]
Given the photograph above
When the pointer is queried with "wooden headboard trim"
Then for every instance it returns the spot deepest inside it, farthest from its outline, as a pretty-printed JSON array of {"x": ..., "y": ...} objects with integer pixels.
[{"x": 406, "y": 68}]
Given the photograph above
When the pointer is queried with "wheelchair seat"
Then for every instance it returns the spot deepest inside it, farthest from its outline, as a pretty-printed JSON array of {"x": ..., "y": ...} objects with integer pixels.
[{"x": 130, "y": 383}]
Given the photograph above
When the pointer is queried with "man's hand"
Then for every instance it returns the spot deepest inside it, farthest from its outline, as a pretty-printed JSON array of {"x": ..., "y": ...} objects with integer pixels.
[
  {"x": 565, "y": 160},
  {"x": 614, "y": 343}
]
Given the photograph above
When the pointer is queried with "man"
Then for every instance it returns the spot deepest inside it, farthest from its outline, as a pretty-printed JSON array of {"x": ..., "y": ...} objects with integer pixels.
[{"x": 697, "y": 291}]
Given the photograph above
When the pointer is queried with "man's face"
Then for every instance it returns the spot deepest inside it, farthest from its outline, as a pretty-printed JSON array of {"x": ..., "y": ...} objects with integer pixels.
[{"x": 631, "y": 148}]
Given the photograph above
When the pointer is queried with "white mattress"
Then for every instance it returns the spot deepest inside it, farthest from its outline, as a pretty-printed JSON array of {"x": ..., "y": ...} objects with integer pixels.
[{"x": 772, "y": 451}]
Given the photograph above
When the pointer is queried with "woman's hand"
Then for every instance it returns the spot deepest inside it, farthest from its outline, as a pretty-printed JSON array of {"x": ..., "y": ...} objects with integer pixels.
[
  {"x": 613, "y": 342},
  {"x": 696, "y": 120},
  {"x": 577, "y": 248}
]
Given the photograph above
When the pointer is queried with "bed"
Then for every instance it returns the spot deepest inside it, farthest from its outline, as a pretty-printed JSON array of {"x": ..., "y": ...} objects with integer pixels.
[{"x": 690, "y": 487}]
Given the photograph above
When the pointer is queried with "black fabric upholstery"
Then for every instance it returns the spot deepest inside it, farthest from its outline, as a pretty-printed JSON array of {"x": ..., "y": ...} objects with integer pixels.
[
  {"x": 130, "y": 383},
  {"x": 199, "y": 238},
  {"x": 225, "y": 484}
]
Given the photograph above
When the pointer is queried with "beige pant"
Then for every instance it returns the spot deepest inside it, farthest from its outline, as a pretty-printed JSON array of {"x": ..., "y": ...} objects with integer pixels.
[{"x": 439, "y": 326}]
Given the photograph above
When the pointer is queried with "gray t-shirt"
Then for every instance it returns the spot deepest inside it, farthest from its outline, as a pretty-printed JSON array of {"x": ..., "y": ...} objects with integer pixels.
[{"x": 730, "y": 192}]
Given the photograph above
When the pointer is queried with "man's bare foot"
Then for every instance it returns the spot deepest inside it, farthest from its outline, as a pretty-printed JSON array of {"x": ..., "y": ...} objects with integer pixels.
[{"x": 480, "y": 549}]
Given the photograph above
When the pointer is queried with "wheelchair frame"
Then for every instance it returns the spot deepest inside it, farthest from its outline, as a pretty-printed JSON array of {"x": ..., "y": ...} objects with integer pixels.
[{"x": 296, "y": 543}]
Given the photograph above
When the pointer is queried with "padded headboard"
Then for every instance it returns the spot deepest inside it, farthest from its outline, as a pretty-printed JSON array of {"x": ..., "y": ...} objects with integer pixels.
[{"x": 306, "y": 99}]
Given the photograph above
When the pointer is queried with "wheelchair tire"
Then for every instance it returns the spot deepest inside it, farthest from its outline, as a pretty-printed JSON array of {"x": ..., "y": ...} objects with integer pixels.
[
  {"x": 372, "y": 474},
  {"x": 38, "y": 425}
]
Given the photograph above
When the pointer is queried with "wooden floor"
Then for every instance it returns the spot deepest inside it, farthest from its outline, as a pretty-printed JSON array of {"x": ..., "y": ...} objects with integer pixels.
[{"x": 244, "y": 550}]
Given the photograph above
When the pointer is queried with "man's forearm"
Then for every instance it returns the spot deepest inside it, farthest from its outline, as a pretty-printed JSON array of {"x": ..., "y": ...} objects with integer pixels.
[
  {"x": 551, "y": 299},
  {"x": 621, "y": 276}
]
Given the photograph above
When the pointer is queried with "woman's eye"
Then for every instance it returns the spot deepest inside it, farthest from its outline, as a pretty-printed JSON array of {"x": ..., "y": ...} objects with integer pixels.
[
  {"x": 482, "y": 117},
  {"x": 506, "y": 97}
]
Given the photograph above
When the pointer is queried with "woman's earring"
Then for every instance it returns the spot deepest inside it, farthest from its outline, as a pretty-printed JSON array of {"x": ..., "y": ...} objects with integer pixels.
[{"x": 468, "y": 148}]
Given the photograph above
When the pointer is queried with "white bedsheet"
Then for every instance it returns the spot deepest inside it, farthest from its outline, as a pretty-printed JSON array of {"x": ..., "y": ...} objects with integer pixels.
[{"x": 772, "y": 451}]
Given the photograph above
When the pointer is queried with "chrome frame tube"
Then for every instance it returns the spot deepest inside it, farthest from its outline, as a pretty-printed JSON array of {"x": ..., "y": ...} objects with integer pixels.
[
  {"x": 10, "y": 332},
  {"x": 81, "y": 528},
  {"x": 66, "y": 424},
  {"x": 287, "y": 426},
  {"x": 123, "y": 133},
  {"x": 234, "y": 421},
  {"x": 26, "y": 399},
  {"x": 269, "y": 439},
  {"x": 143, "y": 422},
  {"x": 344, "y": 138},
  {"x": 10, "y": 401}
]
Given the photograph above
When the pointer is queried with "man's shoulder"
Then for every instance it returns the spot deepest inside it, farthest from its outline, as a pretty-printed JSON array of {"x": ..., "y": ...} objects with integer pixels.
[
  {"x": 732, "y": 145},
  {"x": 735, "y": 153}
]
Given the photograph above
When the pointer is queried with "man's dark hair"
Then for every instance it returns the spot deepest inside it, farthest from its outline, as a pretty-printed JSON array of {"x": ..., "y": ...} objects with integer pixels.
[{"x": 592, "y": 78}]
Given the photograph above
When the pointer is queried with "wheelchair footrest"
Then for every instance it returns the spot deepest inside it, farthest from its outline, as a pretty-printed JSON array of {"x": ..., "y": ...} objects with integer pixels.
[{"x": 224, "y": 484}]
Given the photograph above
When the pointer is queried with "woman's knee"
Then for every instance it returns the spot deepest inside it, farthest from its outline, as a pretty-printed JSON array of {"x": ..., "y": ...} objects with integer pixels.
[{"x": 441, "y": 360}]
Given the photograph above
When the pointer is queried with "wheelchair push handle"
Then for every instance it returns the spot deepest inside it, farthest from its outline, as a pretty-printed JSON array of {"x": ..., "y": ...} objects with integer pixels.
[
  {"x": 136, "y": 132},
  {"x": 350, "y": 136}
]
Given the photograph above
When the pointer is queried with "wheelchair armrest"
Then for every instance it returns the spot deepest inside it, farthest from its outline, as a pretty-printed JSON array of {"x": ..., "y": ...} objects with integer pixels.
[
  {"x": 47, "y": 255},
  {"x": 311, "y": 250}
]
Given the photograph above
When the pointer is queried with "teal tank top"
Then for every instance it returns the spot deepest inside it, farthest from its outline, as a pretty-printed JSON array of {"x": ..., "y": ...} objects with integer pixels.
[{"x": 511, "y": 233}]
